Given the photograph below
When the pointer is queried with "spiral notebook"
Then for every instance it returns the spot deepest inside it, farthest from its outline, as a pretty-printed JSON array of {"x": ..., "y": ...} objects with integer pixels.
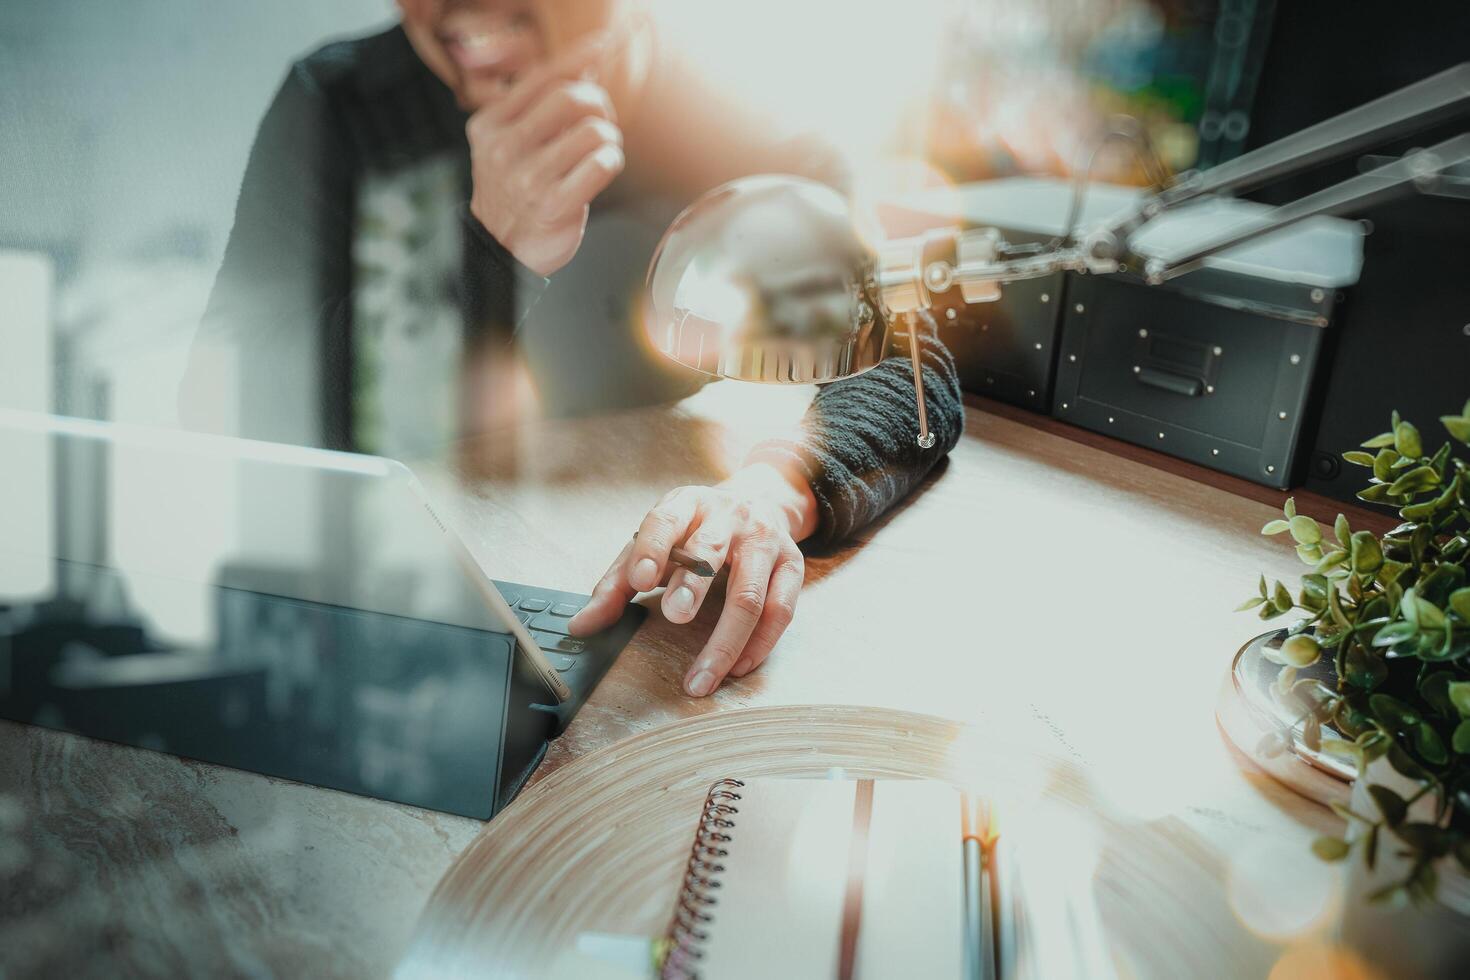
[{"x": 822, "y": 878}]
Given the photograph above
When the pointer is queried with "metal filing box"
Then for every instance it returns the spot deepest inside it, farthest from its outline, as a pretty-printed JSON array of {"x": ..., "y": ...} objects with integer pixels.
[
  {"x": 1219, "y": 366},
  {"x": 1216, "y": 367}
]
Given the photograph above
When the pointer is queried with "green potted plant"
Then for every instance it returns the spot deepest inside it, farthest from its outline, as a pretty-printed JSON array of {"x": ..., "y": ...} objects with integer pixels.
[{"x": 1390, "y": 615}]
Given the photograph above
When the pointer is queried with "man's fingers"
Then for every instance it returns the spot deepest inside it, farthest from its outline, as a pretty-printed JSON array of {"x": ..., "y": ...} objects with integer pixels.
[
  {"x": 570, "y": 64},
  {"x": 711, "y": 543},
  {"x": 745, "y": 599},
  {"x": 557, "y": 158},
  {"x": 558, "y": 110},
  {"x": 663, "y": 527},
  {"x": 781, "y": 598},
  {"x": 608, "y": 599},
  {"x": 587, "y": 180}
]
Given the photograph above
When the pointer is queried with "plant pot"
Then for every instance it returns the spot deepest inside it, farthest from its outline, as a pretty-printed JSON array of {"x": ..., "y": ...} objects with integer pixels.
[{"x": 1401, "y": 939}]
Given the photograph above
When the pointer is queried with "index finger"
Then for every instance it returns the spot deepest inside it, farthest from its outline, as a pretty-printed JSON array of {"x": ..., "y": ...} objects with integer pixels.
[
  {"x": 664, "y": 526},
  {"x": 609, "y": 597},
  {"x": 571, "y": 63}
]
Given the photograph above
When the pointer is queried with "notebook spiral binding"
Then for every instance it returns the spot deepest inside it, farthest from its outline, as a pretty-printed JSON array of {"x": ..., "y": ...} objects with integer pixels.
[{"x": 687, "y": 935}]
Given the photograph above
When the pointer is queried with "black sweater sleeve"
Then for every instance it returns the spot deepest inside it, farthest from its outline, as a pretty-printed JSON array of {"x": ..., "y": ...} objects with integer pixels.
[{"x": 858, "y": 447}]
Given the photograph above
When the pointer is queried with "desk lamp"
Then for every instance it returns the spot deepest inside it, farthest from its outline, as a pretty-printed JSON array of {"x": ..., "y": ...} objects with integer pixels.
[{"x": 766, "y": 278}]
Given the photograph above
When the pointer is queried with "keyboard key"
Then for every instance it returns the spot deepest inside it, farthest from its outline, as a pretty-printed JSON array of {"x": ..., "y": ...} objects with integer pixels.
[
  {"x": 550, "y": 623},
  {"x": 534, "y": 605},
  {"x": 561, "y": 662},
  {"x": 565, "y": 609},
  {"x": 525, "y": 618},
  {"x": 510, "y": 599},
  {"x": 552, "y": 643}
]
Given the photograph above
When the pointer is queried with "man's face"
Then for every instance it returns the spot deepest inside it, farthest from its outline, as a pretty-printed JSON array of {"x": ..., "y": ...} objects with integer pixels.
[{"x": 476, "y": 47}]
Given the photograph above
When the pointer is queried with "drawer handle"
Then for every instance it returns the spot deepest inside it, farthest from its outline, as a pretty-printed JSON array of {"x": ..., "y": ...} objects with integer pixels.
[{"x": 1178, "y": 384}]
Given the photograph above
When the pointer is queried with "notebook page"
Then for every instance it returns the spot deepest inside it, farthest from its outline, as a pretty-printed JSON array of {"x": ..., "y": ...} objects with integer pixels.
[
  {"x": 780, "y": 900},
  {"x": 914, "y": 896}
]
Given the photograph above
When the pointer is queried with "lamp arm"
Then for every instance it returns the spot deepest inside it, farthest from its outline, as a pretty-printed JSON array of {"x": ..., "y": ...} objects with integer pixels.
[{"x": 1422, "y": 171}]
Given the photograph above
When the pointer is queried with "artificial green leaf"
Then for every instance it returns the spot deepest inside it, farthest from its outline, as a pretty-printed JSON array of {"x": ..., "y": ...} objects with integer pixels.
[
  {"x": 1342, "y": 531},
  {"x": 1430, "y": 616},
  {"x": 1391, "y": 710},
  {"x": 1383, "y": 464},
  {"x": 1390, "y": 804},
  {"x": 1404, "y": 764},
  {"x": 1458, "y": 426},
  {"x": 1271, "y": 745},
  {"x": 1289, "y": 508},
  {"x": 1275, "y": 527},
  {"x": 1459, "y": 694},
  {"x": 1460, "y": 741},
  {"x": 1300, "y": 651},
  {"x": 1358, "y": 457},
  {"x": 1429, "y": 745},
  {"x": 1312, "y": 734},
  {"x": 1406, "y": 440},
  {"x": 1314, "y": 588},
  {"x": 1395, "y": 632},
  {"x": 1281, "y": 598},
  {"x": 1310, "y": 554},
  {"x": 1330, "y": 848},
  {"x": 1262, "y": 587},
  {"x": 1370, "y": 847},
  {"x": 1374, "y": 494},
  {"x": 1389, "y": 571},
  {"x": 1410, "y": 607},
  {"x": 1362, "y": 669},
  {"x": 1347, "y": 812},
  {"x": 1250, "y": 603},
  {"x": 1379, "y": 441},
  {"x": 1435, "y": 688},
  {"x": 1305, "y": 530},
  {"x": 1414, "y": 481},
  {"x": 1459, "y": 601},
  {"x": 1366, "y": 554}
]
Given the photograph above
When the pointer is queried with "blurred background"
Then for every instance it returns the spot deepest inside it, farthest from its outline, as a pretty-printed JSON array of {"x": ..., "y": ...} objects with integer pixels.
[{"x": 124, "y": 131}]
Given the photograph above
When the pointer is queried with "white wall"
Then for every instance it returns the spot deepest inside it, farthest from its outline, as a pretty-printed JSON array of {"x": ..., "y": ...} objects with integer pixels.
[{"x": 124, "y": 129}]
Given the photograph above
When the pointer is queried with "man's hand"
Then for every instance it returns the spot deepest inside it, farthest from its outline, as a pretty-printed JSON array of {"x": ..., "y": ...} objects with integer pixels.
[
  {"x": 750, "y": 523},
  {"x": 539, "y": 155}
]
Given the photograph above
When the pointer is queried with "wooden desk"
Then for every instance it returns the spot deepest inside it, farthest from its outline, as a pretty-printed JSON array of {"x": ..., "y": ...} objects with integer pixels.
[{"x": 1033, "y": 580}]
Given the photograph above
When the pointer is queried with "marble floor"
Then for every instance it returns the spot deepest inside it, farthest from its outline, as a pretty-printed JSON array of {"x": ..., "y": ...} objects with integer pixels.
[{"x": 116, "y": 861}]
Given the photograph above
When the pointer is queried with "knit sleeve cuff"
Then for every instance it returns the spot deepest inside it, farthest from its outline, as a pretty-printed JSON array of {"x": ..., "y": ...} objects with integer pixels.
[{"x": 504, "y": 278}]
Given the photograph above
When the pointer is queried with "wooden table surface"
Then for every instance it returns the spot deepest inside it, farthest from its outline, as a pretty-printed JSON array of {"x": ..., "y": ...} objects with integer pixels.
[
  {"x": 1075, "y": 598},
  {"x": 1034, "y": 584}
]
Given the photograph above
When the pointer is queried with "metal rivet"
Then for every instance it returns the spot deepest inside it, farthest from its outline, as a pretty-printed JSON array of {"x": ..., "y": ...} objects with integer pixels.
[
  {"x": 1110, "y": 420},
  {"x": 1270, "y": 469},
  {"x": 1080, "y": 308},
  {"x": 1318, "y": 295},
  {"x": 1466, "y": 330},
  {"x": 1281, "y": 416},
  {"x": 1143, "y": 333},
  {"x": 1046, "y": 297},
  {"x": 1161, "y": 435},
  {"x": 1064, "y": 406},
  {"x": 1219, "y": 351},
  {"x": 1072, "y": 358},
  {"x": 950, "y": 313},
  {"x": 1137, "y": 369},
  {"x": 1296, "y": 358},
  {"x": 1038, "y": 347},
  {"x": 1030, "y": 392},
  {"x": 1214, "y": 452},
  {"x": 1209, "y": 389}
]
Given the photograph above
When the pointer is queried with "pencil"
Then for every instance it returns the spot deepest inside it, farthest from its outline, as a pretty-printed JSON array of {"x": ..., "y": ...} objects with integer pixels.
[{"x": 684, "y": 559}]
